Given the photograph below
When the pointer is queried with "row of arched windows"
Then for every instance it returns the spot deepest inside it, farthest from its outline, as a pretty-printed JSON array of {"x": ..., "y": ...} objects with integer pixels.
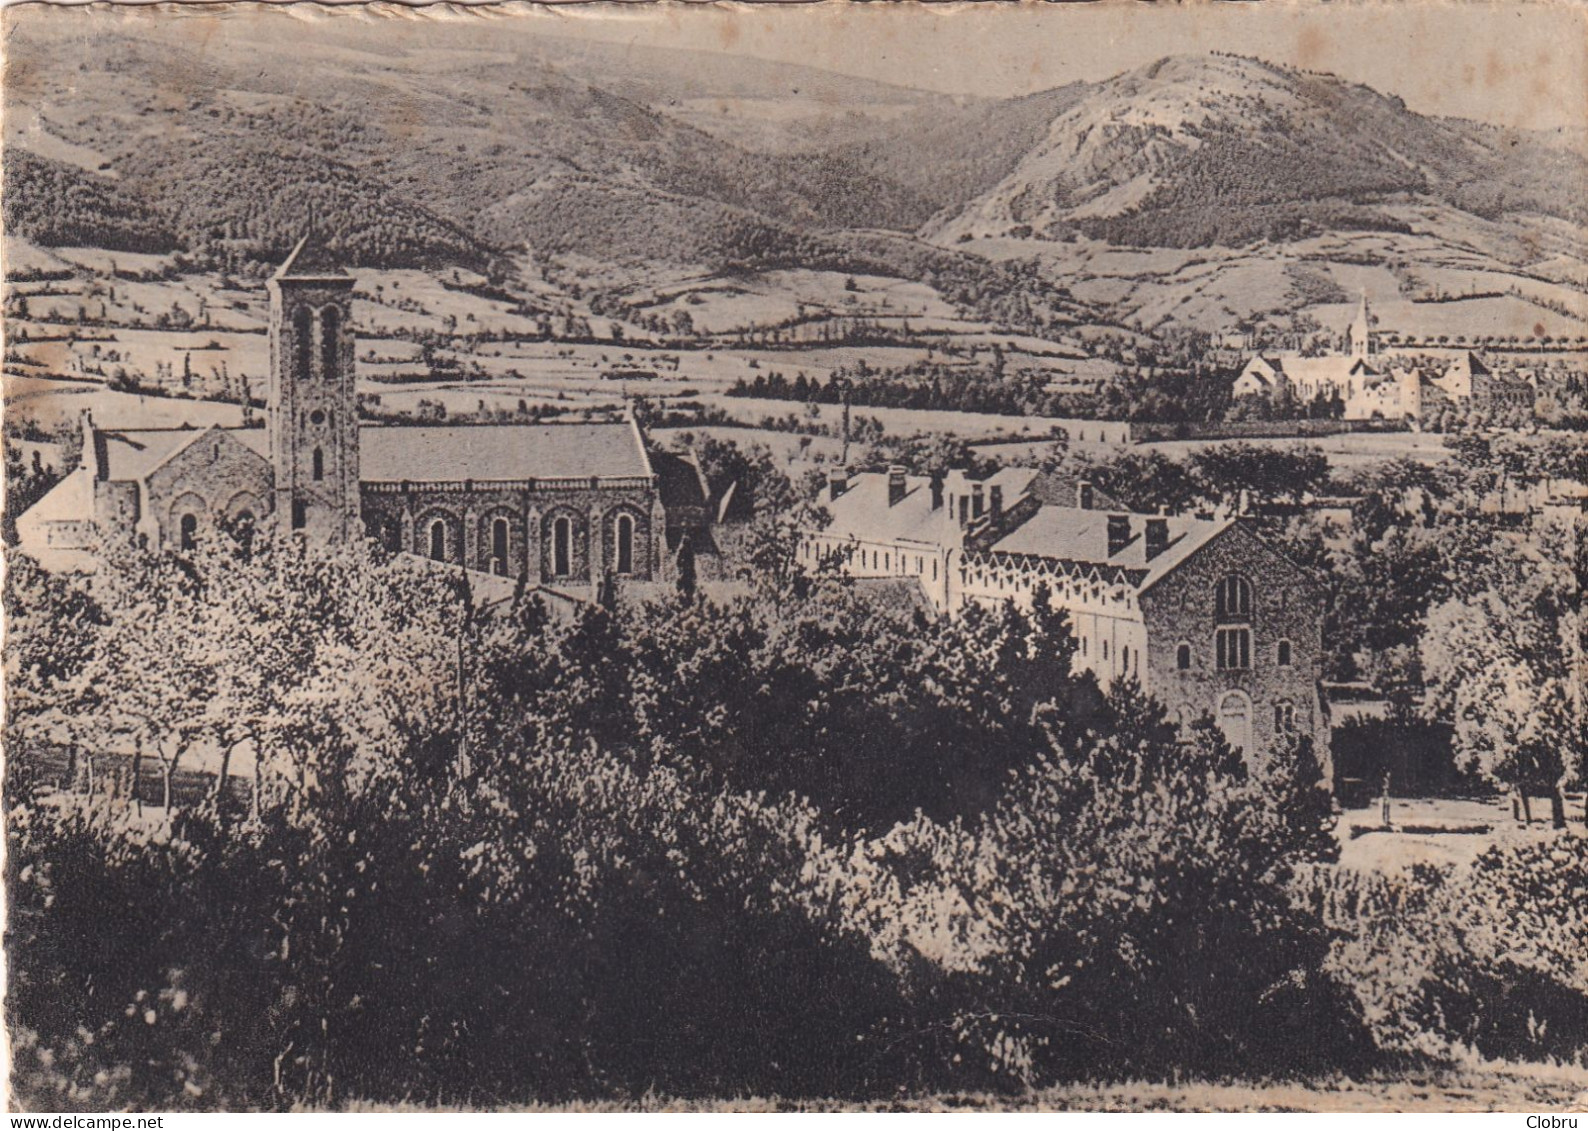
[{"x": 561, "y": 544}]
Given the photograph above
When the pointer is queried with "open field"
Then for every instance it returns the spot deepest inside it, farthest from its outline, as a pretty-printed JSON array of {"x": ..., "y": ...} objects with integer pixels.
[
  {"x": 52, "y": 404},
  {"x": 1346, "y": 450},
  {"x": 1441, "y": 832},
  {"x": 1447, "y": 252}
]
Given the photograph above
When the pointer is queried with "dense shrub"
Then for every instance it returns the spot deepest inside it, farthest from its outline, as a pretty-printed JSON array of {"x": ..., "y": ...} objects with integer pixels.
[
  {"x": 1486, "y": 960},
  {"x": 791, "y": 845}
]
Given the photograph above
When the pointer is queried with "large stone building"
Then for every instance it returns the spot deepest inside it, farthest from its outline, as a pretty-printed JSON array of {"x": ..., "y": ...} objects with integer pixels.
[
  {"x": 1203, "y": 613},
  {"x": 563, "y": 505},
  {"x": 1372, "y": 386}
]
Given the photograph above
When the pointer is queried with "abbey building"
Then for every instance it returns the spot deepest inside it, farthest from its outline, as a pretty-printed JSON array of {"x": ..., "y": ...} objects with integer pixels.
[
  {"x": 564, "y": 505},
  {"x": 1202, "y": 613}
]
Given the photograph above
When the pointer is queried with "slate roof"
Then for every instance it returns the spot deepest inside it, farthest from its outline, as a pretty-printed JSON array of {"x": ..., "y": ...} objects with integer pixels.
[
  {"x": 1073, "y": 535},
  {"x": 501, "y": 452},
  {"x": 862, "y": 511},
  {"x": 131, "y": 454},
  {"x": 311, "y": 260}
]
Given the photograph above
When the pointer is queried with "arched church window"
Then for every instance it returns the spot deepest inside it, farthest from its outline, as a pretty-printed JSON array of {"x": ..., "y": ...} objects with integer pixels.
[
  {"x": 189, "y": 526},
  {"x": 438, "y": 540},
  {"x": 303, "y": 340},
  {"x": 319, "y": 465},
  {"x": 562, "y": 548},
  {"x": 1234, "y": 598},
  {"x": 499, "y": 547},
  {"x": 625, "y": 544},
  {"x": 330, "y": 342},
  {"x": 1283, "y": 654}
]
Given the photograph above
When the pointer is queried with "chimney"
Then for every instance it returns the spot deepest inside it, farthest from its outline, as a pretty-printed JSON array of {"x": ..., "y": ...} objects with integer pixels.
[
  {"x": 977, "y": 505},
  {"x": 937, "y": 492},
  {"x": 1157, "y": 537},
  {"x": 895, "y": 485},
  {"x": 837, "y": 483},
  {"x": 1083, "y": 495},
  {"x": 1118, "y": 533},
  {"x": 995, "y": 499},
  {"x": 1243, "y": 504}
]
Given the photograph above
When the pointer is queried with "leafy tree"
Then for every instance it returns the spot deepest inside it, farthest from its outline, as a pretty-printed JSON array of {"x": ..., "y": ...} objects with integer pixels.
[{"x": 1502, "y": 662}]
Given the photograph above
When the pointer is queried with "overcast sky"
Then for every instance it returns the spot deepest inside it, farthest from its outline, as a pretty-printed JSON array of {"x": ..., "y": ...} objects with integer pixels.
[
  {"x": 1516, "y": 62},
  {"x": 1519, "y": 62}
]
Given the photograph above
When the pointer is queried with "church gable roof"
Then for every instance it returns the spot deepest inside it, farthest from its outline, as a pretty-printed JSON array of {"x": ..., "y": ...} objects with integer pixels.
[
  {"x": 501, "y": 452},
  {"x": 134, "y": 454}
]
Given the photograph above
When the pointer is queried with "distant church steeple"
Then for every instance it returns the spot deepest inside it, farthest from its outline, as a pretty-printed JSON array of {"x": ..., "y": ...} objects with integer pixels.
[
  {"x": 1362, "y": 330},
  {"x": 313, "y": 408}
]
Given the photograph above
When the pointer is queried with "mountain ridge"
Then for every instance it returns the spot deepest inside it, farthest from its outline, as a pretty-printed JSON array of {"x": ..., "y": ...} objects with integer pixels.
[{"x": 478, "y": 146}]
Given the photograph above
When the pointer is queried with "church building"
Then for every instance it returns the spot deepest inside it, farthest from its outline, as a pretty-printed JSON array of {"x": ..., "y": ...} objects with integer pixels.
[{"x": 564, "y": 505}]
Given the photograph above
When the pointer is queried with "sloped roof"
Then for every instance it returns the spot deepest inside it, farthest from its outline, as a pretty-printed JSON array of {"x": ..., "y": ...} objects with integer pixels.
[
  {"x": 131, "y": 454},
  {"x": 862, "y": 511},
  {"x": 1318, "y": 368},
  {"x": 311, "y": 260},
  {"x": 70, "y": 500},
  {"x": 452, "y": 453},
  {"x": 1073, "y": 535},
  {"x": 678, "y": 480}
]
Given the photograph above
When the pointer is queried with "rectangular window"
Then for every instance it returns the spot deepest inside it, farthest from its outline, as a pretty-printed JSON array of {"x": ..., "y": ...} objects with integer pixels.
[{"x": 1234, "y": 649}]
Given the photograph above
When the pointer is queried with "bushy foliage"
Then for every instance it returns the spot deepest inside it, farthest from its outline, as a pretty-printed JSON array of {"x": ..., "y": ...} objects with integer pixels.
[
  {"x": 1486, "y": 959},
  {"x": 59, "y": 205},
  {"x": 786, "y": 845}
]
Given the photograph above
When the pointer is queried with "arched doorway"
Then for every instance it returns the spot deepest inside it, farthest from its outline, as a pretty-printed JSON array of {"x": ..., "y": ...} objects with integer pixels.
[
  {"x": 189, "y": 531},
  {"x": 1235, "y": 720},
  {"x": 438, "y": 540}
]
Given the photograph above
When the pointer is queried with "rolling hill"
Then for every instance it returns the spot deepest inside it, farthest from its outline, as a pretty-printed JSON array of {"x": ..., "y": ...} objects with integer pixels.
[
  {"x": 1201, "y": 150},
  {"x": 427, "y": 143}
]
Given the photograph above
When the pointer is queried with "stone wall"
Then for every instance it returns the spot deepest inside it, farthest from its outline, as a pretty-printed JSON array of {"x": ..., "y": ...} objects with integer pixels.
[
  {"x": 401, "y": 517},
  {"x": 215, "y": 477},
  {"x": 1286, "y": 605}
]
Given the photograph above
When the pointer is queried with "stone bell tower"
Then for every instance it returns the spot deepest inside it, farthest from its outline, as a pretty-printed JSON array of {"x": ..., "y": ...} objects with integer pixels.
[
  {"x": 313, "y": 410},
  {"x": 1361, "y": 332}
]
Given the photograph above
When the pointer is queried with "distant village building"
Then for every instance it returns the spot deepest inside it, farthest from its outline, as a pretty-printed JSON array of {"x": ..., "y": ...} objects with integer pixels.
[
  {"x": 1371, "y": 386},
  {"x": 1202, "y": 612},
  {"x": 560, "y": 504}
]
